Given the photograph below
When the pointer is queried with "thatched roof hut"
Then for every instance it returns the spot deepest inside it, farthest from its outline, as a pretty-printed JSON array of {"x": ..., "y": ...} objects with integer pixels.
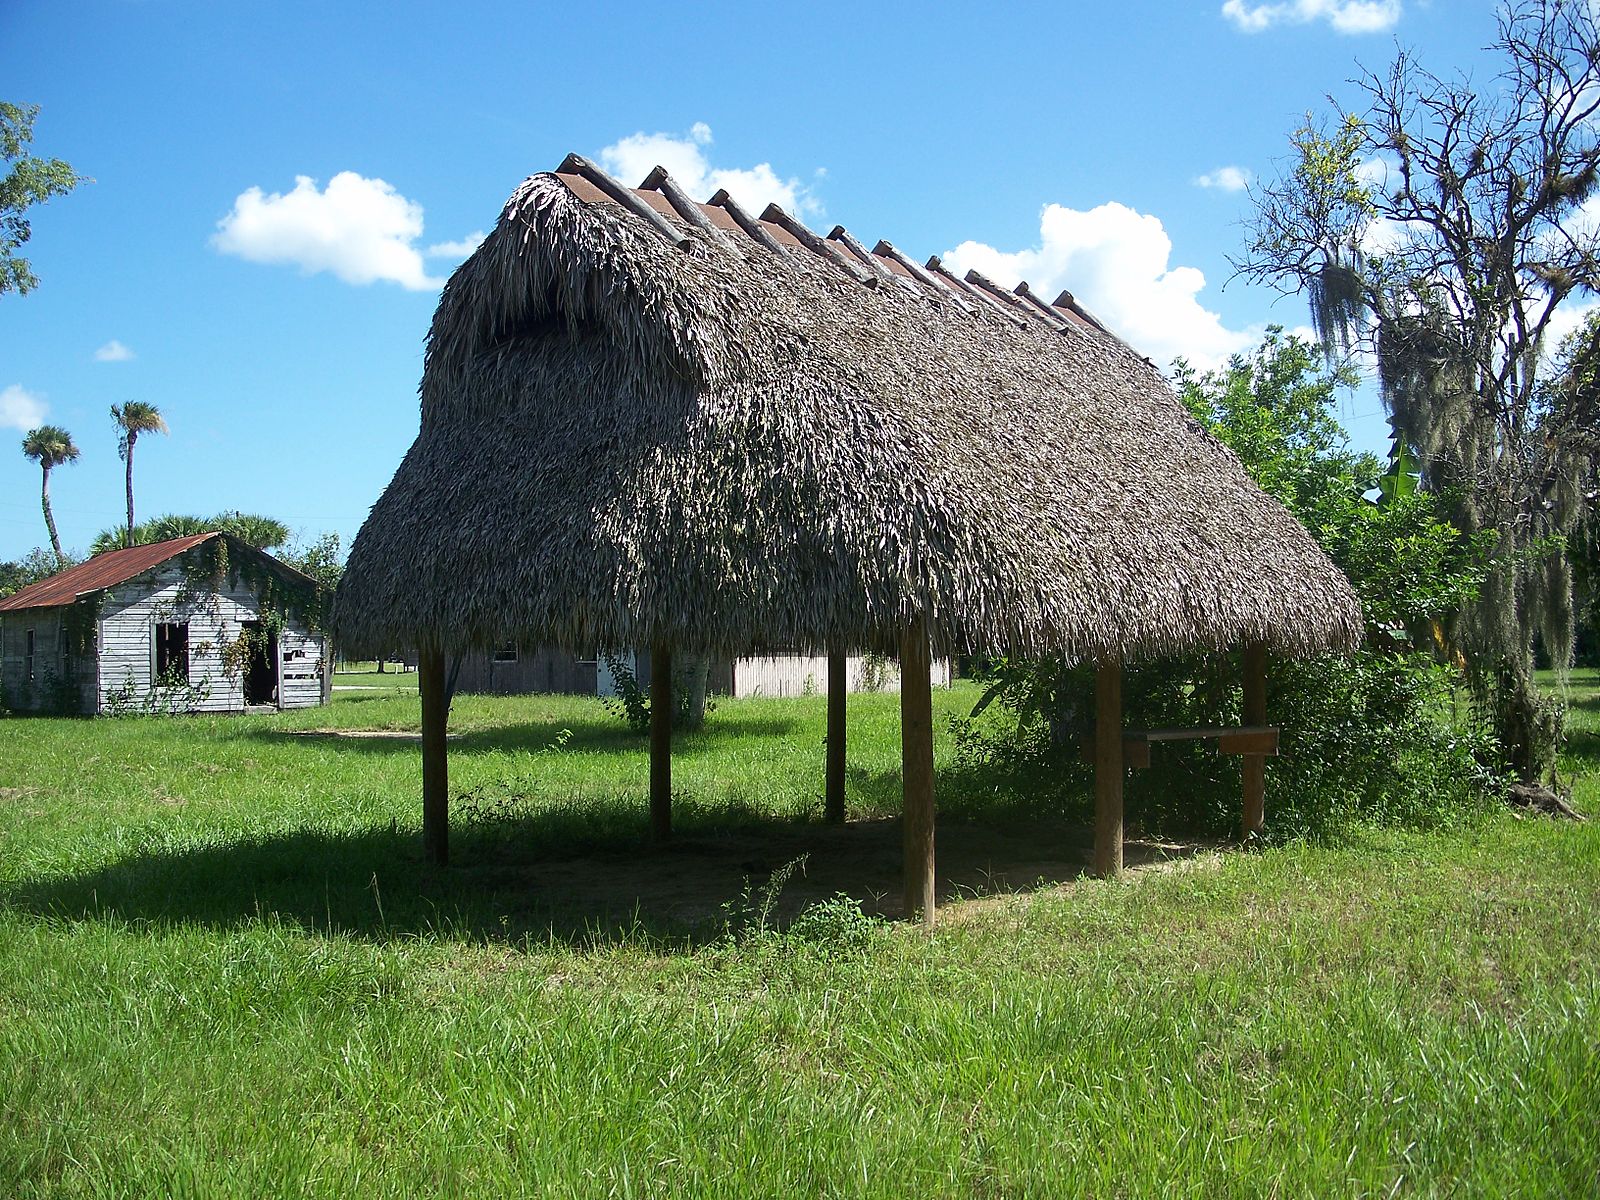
[{"x": 652, "y": 422}]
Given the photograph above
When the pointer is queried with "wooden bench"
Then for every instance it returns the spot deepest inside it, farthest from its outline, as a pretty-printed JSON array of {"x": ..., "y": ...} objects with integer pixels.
[
  {"x": 1231, "y": 739},
  {"x": 1113, "y": 749}
]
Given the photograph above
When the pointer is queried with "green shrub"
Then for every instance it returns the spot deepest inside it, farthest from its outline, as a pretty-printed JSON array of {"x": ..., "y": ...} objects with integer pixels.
[
  {"x": 1376, "y": 736},
  {"x": 836, "y": 924},
  {"x": 631, "y": 701}
]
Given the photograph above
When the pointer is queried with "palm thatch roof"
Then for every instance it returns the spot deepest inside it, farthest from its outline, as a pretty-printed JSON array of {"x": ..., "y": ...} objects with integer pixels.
[{"x": 650, "y": 421}]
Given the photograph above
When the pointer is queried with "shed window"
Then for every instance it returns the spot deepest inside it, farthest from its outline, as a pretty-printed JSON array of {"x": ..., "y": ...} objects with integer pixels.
[
  {"x": 172, "y": 651},
  {"x": 506, "y": 653},
  {"x": 27, "y": 656}
]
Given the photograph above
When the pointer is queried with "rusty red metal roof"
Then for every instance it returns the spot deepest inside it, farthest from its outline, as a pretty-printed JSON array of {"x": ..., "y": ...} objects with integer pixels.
[{"x": 100, "y": 572}]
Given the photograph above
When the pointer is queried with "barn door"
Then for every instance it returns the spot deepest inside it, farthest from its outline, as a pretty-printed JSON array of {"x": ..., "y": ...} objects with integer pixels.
[{"x": 261, "y": 671}]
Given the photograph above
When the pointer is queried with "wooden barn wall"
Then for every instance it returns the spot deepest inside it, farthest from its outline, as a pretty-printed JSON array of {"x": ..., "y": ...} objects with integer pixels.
[
  {"x": 777, "y": 675},
  {"x": 534, "y": 671},
  {"x": 127, "y": 642},
  {"x": 51, "y": 663}
]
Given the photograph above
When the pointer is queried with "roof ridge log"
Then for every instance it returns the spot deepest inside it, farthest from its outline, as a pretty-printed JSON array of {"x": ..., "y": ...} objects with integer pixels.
[
  {"x": 978, "y": 279},
  {"x": 660, "y": 181},
  {"x": 576, "y": 164},
  {"x": 887, "y": 249},
  {"x": 845, "y": 238},
  {"x": 743, "y": 219},
  {"x": 1022, "y": 289},
  {"x": 1069, "y": 302},
  {"x": 936, "y": 265},
  {"x": 818, "y": 246}
]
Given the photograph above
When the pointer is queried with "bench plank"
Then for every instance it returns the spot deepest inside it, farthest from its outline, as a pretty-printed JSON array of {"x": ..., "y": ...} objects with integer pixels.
[{"x": 1231, "y": 739}]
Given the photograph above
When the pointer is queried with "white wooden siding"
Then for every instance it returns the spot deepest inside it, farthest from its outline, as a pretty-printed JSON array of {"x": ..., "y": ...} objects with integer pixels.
[
  {"x": 796, "y": 675},
  {"x": 127, "y": 642}
]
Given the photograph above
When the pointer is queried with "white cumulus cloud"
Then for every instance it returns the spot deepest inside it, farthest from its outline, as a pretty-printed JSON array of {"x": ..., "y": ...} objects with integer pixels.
[
  {"x": 457, "y": 249},
  {"x": 113, "y": 351},
  {"x": 684, "y": 157},
  {"x": 21, "y": 409},
  {"x": 1117, "y": 262},
  {"x": 1225, "y": 179},
  {"x": 362, "y": 230},
  {"x": 1343, "y": 16}
]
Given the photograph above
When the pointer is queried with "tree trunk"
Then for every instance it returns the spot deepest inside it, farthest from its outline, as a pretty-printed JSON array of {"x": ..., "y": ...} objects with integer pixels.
[
  {"x": 916, "y": 775},
  {"x": 694, "y": 677},
  {"x": 50, "y": 521},
  {"x": 1527, "y": 725},
  {"x": 1108, "y": 768},
  {"x": 132, "y": 438},
  {"x": 1254, "y": 766}
]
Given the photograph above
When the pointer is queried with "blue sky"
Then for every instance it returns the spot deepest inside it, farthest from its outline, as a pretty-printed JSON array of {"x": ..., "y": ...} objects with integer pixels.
[{"x": 279, "y": 325}]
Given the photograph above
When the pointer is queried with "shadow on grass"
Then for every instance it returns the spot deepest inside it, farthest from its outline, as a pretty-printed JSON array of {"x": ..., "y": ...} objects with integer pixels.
[
  {"x": 1583, "y": 744},
  {"x": 580, "y": 871}
]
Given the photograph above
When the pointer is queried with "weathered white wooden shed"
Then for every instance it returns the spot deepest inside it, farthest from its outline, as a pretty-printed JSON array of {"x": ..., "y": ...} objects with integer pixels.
[
  {"x": 513, "y": 669},
  {"x": 204, "y": 623}
]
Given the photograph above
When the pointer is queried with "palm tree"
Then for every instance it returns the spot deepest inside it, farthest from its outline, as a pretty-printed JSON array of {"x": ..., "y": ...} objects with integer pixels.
[
  {"x": 173, "y": 525},
  {"x": 264, "y": 533},
  {"x": 133, "y": 418},
  {"x": 115, "y": 538},
  {"x": 50, "y": 446}
]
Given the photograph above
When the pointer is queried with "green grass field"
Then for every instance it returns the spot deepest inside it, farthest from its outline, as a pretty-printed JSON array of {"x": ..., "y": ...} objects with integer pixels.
[
  {"x": 224, "y": 970},
  {"x": 364, "y": 676}
]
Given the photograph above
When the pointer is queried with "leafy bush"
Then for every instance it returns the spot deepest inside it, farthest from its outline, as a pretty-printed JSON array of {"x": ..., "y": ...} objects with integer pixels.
[
  {"x": 832, "y": 927},
  {"x": 631, "y": 701},
  {"x": 172, "y": 695},
  {"x": 836, "y": 924},
  {"x": 1378, "y": 736}
]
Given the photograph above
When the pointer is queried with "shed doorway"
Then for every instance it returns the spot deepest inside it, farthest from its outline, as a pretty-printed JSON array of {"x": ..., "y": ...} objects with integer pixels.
[{"x": 261, "y": 668}]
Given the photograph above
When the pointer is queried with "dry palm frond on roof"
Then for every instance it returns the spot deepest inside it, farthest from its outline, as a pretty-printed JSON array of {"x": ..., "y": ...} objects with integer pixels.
[{"x": 645, "y": 424}]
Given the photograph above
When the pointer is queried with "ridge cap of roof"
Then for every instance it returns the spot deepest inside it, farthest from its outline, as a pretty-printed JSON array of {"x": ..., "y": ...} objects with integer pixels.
[
  {"x": 839, "y": 249},
  {"x": 821, "y": 247}
]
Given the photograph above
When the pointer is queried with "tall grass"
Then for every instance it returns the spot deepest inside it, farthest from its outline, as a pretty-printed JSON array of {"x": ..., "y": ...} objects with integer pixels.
[{"x": 224, "y": 970}]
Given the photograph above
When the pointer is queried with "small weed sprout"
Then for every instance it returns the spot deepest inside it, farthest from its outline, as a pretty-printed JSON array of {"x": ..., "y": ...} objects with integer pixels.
[{"x": 749, "y": 916}]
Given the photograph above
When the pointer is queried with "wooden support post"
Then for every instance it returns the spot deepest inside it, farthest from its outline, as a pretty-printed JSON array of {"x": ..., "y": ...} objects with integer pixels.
[
  {"x": 1108, "y": 768},
  {"x": 1255, "y": 713},
  {"x": 916, "y": 773},
  {"x": 838, "y": 686},
  {"x": 660, "y": 744},
  {"x": 435, "y": 765}
]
